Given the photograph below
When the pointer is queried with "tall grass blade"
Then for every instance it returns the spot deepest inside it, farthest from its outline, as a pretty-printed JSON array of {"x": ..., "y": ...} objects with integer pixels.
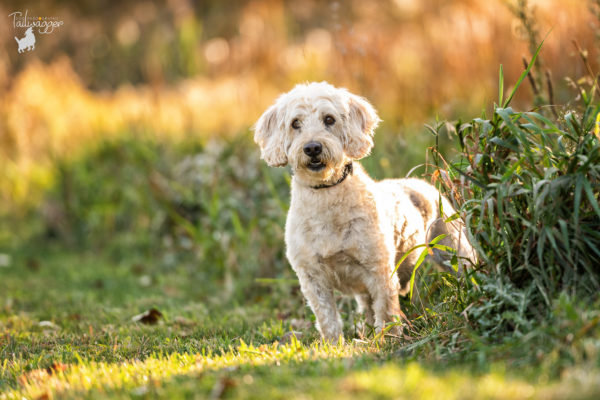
[
  {"x": 524, "y": 74},
  {"x": 501, "y": 85}
]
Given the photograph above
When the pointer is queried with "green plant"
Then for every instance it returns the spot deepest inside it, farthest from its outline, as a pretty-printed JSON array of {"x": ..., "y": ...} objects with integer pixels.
[{"x": 532, "y": 206}]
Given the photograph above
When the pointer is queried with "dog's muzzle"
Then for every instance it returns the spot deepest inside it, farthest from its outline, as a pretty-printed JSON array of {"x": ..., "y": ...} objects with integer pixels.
[{"x": 314, "y": 150}]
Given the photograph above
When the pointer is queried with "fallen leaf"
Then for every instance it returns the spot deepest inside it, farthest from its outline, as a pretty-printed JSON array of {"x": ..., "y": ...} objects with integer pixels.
[
  {"x": 149, "y": 317},
  {"x": 56, "y": 367},
  {"x": 33, "y": 264}
]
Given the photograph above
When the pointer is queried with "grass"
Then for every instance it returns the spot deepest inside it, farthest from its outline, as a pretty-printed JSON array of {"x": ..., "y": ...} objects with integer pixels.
[{"x": 89, "y": 347}]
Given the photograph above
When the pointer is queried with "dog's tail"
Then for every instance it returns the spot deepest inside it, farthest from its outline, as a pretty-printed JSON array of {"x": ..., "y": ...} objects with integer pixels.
[{"x": 17, "y": 40}]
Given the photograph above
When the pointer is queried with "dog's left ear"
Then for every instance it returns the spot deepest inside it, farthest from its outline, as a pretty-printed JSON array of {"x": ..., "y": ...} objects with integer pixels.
[
  {"x": 270, "y": 137},
  {"x": 362, "y": 121}
]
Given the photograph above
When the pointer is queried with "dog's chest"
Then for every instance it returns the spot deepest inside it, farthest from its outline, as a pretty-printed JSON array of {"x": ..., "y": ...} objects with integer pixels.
[
  {"x": 335, "y": 235},
  {"x": 328, "y": 228}
]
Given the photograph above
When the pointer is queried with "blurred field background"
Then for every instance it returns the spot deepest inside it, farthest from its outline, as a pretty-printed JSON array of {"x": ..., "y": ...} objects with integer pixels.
[{"x": 179, "y": 70}]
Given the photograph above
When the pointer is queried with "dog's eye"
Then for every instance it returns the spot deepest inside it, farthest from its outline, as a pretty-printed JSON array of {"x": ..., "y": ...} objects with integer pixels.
[
  {"x": 329, "y": 120},
  {"x": 296, "y": 124}
]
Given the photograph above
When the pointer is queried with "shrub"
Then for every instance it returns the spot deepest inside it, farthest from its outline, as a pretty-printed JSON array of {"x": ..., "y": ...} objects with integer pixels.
[{"x": 532, "y": 207}]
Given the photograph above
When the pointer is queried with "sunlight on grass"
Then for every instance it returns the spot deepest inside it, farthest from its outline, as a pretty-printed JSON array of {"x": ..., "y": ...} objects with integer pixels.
[
  {"x": 88, "y": 375},
  {"x": 179, "y": 374}
]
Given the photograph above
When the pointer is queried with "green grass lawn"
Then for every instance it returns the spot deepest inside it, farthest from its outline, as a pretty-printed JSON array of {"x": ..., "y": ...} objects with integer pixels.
[{"x": 66, "y": 331}]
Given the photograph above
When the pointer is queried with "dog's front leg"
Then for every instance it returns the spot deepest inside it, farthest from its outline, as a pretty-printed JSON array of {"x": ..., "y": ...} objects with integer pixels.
[
  {"x": 386, "y": 306},
  {"x": 321, "y": 300}
]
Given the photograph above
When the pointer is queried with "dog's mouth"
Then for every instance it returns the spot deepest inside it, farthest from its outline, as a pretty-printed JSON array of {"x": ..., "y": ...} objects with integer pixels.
[{"x": 315, "y": 164}]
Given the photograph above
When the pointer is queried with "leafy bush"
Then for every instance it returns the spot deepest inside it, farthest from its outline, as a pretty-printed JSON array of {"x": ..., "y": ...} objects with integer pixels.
[
  {"x": 532, "y": 205},
  {"x": 537, "y": 191}
]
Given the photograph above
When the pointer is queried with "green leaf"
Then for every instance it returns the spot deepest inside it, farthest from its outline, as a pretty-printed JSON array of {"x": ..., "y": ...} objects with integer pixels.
[
  {"x": 591, "y": 198},
  {"x": 405, "y": 256},
  {"x": 452, "y": 217},
  {"x": 500, "y": 85},
  {"x": 577, "y": 200},
  {"x": 437, "y": 239},
  {"x": 414, "y": 272}
]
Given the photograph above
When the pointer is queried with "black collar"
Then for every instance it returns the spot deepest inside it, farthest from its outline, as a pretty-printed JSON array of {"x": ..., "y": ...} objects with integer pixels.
[{"x": 347, "y": 171}]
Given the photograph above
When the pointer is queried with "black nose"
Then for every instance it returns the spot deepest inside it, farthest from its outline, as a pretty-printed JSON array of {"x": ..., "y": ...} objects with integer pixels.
[{"x": 313, "y": 149}]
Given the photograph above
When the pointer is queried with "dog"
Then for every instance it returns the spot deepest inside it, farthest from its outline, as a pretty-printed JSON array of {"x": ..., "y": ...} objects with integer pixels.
[
  {"x": 27, "y": 42},
  {"x": 344, "y": 230}
]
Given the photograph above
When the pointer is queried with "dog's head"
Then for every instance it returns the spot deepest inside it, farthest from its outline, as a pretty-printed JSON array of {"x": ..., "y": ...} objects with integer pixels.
[{"x": 317, "y": 129}]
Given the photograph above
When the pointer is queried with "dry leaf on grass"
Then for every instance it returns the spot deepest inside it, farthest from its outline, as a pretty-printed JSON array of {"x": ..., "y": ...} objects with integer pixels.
[{"x": 149, "y": 317}]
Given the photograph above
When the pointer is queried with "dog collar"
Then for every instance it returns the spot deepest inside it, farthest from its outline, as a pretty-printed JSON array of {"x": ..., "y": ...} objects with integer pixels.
[{"x": 347, "y": 171}]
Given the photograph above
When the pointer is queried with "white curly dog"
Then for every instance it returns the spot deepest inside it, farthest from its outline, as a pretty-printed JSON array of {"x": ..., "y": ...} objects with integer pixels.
[{"x": 345, "y": 231}]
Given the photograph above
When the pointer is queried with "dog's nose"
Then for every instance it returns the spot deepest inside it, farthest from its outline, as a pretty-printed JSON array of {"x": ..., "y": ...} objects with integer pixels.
[{"x": 313, "y": 149}]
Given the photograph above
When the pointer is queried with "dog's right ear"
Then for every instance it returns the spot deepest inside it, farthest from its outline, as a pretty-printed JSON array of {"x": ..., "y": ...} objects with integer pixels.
[{"x": 269, "y": 136}]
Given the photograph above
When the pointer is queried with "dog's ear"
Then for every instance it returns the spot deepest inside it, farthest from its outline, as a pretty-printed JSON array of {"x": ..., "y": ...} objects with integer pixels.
[
  {"x": 269, "y": 136},
  {"x": 362, "y": 121}
]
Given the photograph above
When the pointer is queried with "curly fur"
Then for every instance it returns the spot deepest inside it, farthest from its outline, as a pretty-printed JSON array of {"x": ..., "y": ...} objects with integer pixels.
[{"x": 349, "y": 236}]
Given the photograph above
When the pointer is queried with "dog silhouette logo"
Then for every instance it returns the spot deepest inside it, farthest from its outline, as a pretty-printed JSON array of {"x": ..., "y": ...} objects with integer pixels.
[{"x": 27, "y": 43}]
